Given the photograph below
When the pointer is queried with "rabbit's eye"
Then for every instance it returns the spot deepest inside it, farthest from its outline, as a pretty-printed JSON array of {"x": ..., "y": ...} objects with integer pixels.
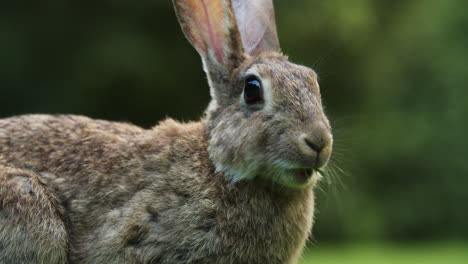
[{"x": 253, "y": 93}]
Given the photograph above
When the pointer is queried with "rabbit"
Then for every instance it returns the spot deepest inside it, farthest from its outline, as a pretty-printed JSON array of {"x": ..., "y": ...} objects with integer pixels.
[{"x": 237, "y": 186}]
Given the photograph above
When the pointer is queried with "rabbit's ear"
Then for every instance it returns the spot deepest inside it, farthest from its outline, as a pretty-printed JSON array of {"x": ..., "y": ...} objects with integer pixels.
[
  {"x": 257, "y": 26},
  {"x": 211, "y": 27}
]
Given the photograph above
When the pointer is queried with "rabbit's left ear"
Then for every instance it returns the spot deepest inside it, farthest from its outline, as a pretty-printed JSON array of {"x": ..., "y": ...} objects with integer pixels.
[
  {"x": 257, "y": 26},
  {"x": 210, "y": 25}
]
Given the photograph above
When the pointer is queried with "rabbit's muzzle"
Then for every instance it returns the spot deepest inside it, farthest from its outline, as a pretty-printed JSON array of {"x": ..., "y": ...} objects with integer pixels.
[{"x": 315, "y": 145}]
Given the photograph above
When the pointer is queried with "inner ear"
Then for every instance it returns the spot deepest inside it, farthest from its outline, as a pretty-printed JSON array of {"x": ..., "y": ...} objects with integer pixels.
[
  {"x": 257, "y": 26},
  {"x": 211, "y": 27}
]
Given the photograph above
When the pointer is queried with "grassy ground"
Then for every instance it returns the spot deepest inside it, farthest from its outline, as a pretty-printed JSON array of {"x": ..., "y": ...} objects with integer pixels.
[{"x": 440, "y": 253}]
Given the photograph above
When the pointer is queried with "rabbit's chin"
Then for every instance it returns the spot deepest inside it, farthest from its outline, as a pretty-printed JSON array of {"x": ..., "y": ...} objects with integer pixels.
[
  {"x": 298, "y": 178},
  {"x": 282, "y": 175}
]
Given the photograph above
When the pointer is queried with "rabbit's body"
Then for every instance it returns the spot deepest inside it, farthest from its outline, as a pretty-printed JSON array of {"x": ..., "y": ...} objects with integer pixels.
[
  {"x": 116, "y": 193},
  {"x": 234, "y": 188}
]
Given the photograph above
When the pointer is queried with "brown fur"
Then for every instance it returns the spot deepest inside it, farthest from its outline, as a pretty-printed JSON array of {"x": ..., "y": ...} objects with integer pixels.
[
  {"x": 135, "y": 196},
  {"x": 228, "y": 189}
]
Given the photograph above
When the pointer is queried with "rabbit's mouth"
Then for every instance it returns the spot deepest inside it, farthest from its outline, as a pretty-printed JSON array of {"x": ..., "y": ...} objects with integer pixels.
[{"x": 302, "y": 176}]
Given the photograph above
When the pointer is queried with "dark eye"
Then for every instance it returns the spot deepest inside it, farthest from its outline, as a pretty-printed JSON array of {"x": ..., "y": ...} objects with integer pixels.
[{"x": 253, "y": 92}]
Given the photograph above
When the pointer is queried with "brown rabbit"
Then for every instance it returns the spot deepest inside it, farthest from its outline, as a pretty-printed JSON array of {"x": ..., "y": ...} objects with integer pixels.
[{"x": 234, "y": 187}]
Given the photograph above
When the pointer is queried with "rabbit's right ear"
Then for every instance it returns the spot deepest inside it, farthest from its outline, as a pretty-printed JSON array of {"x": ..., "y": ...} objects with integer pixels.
[
  {"x": 211, "y": 27},
  {"x": 257, "y": 26}
]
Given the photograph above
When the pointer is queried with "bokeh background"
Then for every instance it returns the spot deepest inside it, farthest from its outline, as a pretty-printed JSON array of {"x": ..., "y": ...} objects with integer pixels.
[{"x": 393, "y": 76}]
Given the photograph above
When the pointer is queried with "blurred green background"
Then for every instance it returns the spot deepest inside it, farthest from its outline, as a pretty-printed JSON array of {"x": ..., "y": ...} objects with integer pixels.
[{"x": 393, "y": 77}]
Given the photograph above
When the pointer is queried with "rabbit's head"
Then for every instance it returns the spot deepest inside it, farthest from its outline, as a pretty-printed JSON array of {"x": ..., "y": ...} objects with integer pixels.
[{"x": 266, "y": 117}]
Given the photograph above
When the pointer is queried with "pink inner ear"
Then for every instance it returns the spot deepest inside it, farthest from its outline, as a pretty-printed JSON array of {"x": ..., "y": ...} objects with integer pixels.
[
  {"x": 213, "y": 34},
  {"x": 203, "y": 22},
  {"x": 256, "y": 23},
  {"x": 251, "y": 32}
]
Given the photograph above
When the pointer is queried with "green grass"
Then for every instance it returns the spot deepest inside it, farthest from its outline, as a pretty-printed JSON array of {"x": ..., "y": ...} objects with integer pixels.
[{"x": 438, "y": 253}]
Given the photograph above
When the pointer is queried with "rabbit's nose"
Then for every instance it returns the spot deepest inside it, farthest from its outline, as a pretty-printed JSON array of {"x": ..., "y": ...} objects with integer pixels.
[{"x": 316, "y": 145}]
